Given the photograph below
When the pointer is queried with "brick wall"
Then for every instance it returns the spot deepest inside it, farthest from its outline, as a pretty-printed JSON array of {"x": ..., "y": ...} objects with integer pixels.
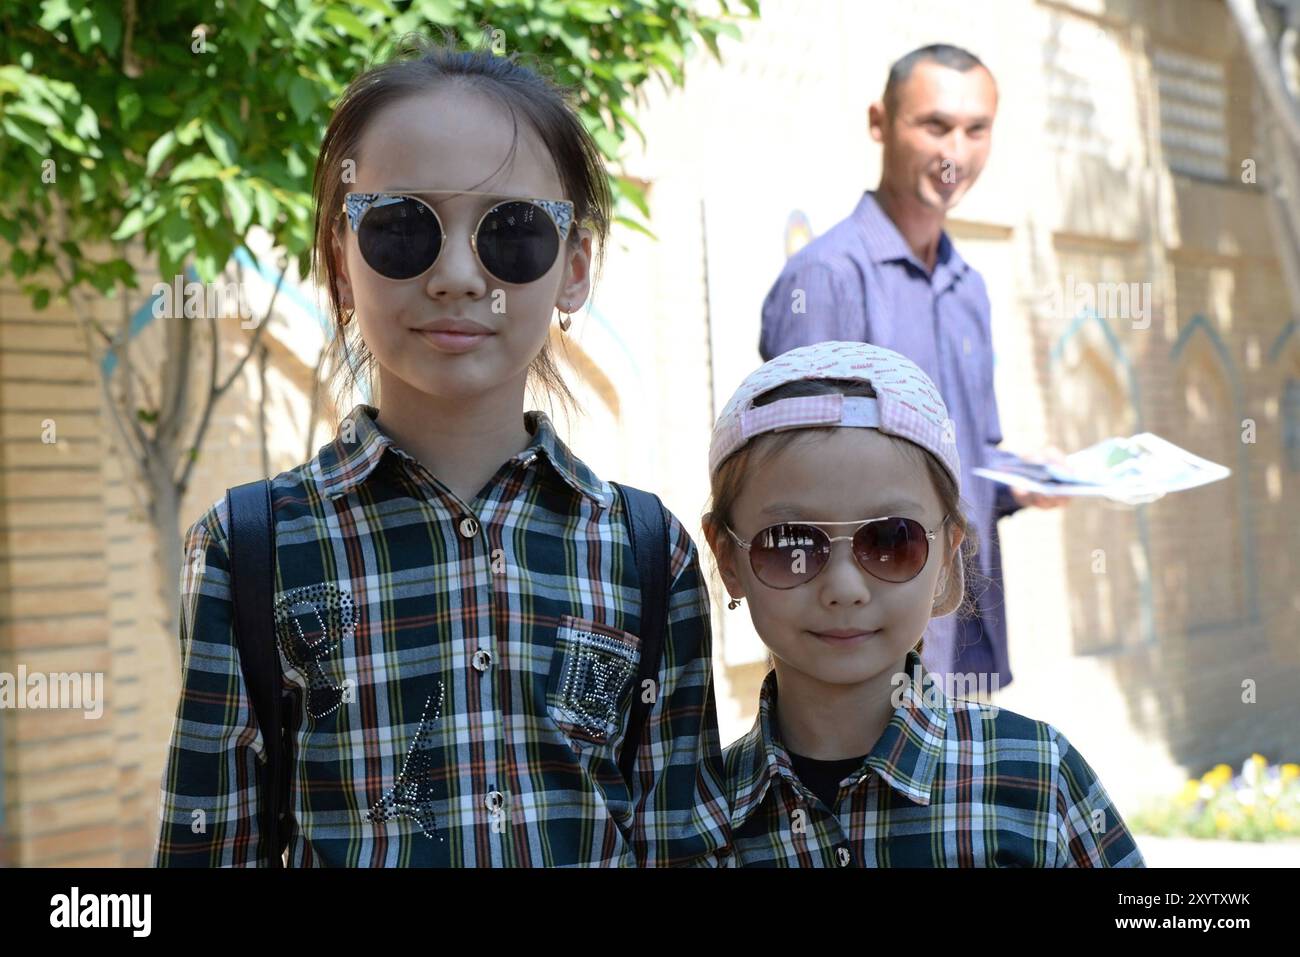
[{"x": 79, "y": 579}]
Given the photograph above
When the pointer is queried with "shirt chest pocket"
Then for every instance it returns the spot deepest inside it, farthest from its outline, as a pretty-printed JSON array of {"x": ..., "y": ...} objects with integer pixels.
[{"x": 593, "y": 668}]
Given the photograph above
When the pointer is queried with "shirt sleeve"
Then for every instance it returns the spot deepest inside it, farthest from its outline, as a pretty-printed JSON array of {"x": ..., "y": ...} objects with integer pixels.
[
  {"x": 808, "y": 303},
  {"x": 995, "y": 457},
  {"x": 209, "y": 803},
  {"x": 1089, "y": 830},
  {"x": 1004, "y": 503},
  {"x": 680, "y": 813}
]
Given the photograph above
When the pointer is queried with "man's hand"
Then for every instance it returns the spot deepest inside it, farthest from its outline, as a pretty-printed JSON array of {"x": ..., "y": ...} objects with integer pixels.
[{"x": 1050, "y": 454}]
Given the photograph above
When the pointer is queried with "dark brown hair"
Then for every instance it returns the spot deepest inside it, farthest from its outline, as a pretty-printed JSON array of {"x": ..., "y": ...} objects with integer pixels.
[
  {"x": 727, "y": 482},
  {"x": 944, "y": 54},
  {"x": 417, "y": 65}
]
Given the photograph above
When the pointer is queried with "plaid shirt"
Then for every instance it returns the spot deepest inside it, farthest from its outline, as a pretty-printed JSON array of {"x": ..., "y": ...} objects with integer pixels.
[
  {"x": 462, "y": 675},
  {"x": 949, "y": 784}
]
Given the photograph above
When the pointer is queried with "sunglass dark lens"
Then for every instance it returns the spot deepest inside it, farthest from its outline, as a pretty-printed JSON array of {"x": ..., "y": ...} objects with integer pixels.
[
  {"x": 783, "y": 556},
  {"x": 399, "y": 237},
  {"x": 517, "y": 242},
  {"x": 894, "y": 550}
]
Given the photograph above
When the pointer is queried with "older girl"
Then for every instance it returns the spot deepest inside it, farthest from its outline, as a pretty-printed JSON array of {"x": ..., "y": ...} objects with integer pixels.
[{"x": 458, "y": 612}]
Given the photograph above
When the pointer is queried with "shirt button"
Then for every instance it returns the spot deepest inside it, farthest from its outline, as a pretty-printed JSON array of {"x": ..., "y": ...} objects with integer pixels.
[
  {"x": 842, "y": 856},
  {"x": 468, "y": 527},
  {"x": 482, "y": 660},
  {"x": 494, "y": 801}
]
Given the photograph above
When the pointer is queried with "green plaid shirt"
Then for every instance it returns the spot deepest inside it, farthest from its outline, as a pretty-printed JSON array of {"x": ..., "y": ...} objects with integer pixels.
[
  {"x": 950, "y": 783},
  {"x": 463, "y": 674}
]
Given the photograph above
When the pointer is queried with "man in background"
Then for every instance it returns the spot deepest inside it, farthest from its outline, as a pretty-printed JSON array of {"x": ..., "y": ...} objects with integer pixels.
[{"x": 889, "y": 275}]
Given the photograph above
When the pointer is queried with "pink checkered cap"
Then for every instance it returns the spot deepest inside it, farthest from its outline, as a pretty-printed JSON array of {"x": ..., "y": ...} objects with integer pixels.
[{"x": 907, "y": 404}]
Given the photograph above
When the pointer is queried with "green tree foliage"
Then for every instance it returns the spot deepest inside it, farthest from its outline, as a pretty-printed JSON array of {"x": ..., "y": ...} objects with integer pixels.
[{"x": 187, "y": 123}]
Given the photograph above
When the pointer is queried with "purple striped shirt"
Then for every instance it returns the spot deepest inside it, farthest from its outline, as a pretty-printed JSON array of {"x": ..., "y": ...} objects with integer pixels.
[{"x": 860, "y": 281}]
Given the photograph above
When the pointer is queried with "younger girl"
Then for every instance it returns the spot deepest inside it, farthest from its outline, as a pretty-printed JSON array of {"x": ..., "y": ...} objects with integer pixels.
[
  {"x": 458, "y": 609},
  {"x": 836, "y": 513}
]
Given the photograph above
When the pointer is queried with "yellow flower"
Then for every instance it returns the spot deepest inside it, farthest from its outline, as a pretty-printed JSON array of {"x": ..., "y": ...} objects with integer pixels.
[
  {"x": 1282, "y": 820},
  {"x": 1221, "y": 821},
  {"x": 1218, "y": 776},
  {"x": 1189, "y": 792},
  {"x": 1290, "y": 771}
]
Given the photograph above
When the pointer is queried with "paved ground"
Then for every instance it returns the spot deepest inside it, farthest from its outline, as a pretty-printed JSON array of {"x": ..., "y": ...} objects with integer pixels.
[{"x": 1191, "y": 852}]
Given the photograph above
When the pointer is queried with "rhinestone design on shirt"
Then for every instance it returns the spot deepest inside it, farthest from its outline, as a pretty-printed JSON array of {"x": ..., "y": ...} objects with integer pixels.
[
  {"x": 311, "y": 623},
  {"x": 412, "y": 794}
]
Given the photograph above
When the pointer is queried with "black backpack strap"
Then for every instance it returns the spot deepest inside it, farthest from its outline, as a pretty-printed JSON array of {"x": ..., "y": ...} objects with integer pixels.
[
  {"x": 252, "y": 580},
  {"x": 648, "y": 529}
]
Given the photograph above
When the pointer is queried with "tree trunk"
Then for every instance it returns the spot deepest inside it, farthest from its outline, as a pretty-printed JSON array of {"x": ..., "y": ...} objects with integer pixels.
[
  {"x": 1278, "y": 129},
  {"x": 164, "y": 516}
]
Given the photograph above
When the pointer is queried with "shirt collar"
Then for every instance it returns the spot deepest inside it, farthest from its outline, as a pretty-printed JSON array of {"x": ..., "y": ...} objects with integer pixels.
[
  {"x": 906, "y": 756},
  {"x": 359, "y": 446},
  {"x": 885, "y": 243}
]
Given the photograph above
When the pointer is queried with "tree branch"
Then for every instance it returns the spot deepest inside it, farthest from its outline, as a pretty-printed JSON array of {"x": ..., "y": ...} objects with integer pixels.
[
  {"x": 1255, "y": 37},
  {"x": 191, "y": 455},
  {"x": 122, "y": 350},
  {"x": 216, "y": 391},
  {"x": 315, "y": 399},
  {"x": 136, "y": 456},
  {"x": 137, "y": 453},
  {"x": 257, "y": 333},
  {"x": 176, "y": 370},
  {"x": 130, "y": 66}
]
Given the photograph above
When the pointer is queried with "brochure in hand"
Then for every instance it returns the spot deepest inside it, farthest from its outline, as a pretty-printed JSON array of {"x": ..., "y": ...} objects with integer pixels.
[{"x": 1133, "y": 470}]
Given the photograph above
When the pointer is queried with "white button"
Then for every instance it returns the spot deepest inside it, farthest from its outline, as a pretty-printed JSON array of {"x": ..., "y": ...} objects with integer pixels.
[
  {"x": 468, "y": 527},
  {"x": 495, "y": 800},
  {"x": 532, "y": 457},
  {"x": 843, "y": 854},
  {"x": 482, "y": 659}
]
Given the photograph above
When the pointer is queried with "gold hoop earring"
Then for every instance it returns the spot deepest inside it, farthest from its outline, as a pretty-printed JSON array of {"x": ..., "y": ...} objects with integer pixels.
[
  {"x": 733, "y": 604},
  {"x": 566, "y": 317}
]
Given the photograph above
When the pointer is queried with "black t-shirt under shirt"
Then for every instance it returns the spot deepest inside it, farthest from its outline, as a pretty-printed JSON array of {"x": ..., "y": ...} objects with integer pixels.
[{"x": 823, "y": 777}]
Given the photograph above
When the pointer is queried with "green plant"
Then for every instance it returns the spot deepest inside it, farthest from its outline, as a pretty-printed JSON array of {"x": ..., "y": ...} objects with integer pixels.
[
  {"x": 188, "y": 123},
  {"x": 1262, "y": 803}
]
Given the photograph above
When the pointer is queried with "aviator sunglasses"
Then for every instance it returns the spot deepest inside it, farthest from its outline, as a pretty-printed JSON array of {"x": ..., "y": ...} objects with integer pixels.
[
  {"x": 400, "y": 235},
  {"x": 787, "y": 555}
]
